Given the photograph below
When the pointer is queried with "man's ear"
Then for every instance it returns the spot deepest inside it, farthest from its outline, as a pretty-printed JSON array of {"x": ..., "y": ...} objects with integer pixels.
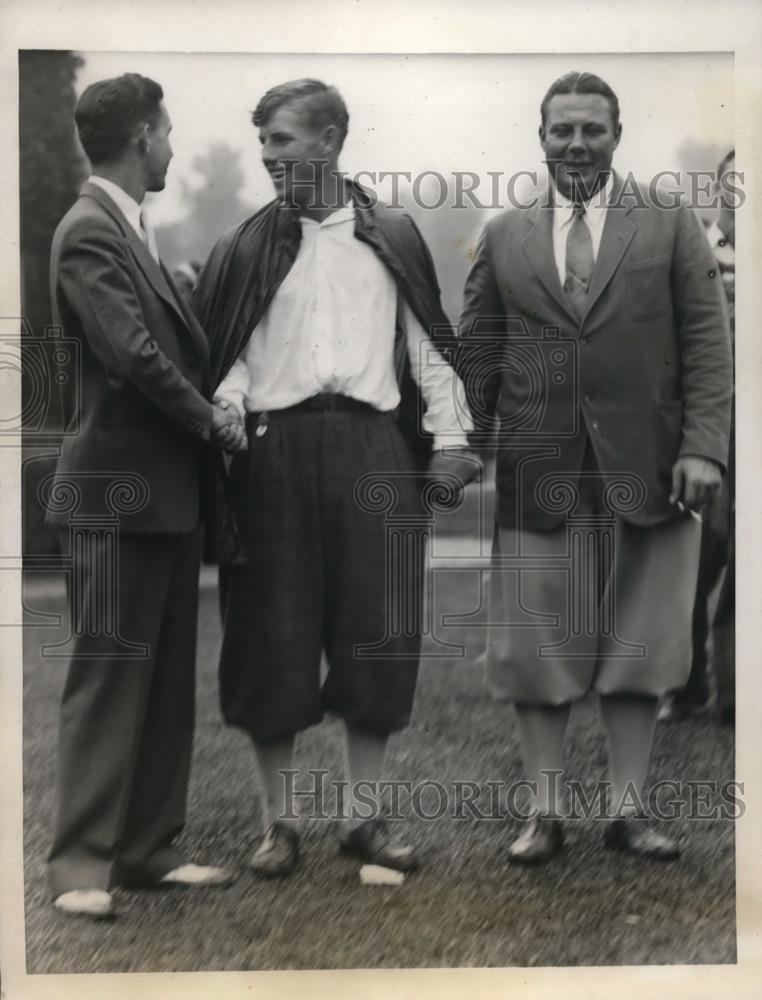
[
  {"x": 541, "y": 133},
  {"x": 143, "y": 138},
  {"x": 617, "y": 134},
  {"x": 330, "y": 140}
]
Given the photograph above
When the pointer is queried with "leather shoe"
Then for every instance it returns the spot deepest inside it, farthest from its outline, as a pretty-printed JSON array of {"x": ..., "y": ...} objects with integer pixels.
[
  {"x": 542, "y": 839},
  {"x": 372, "y": 843},
  {"x": 634, "y": 837},
  {"x": 200, "y": 876},
  {"x": 278, "y": 853},
  {"x": 94, "y": 903}
]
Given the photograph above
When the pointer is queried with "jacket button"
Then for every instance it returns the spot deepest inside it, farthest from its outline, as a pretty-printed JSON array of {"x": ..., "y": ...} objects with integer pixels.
[{"x": 712, "y": 274}]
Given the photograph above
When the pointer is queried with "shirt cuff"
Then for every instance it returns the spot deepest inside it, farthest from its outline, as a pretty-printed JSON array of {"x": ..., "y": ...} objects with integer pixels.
[
  {"x": 234, "y": 399},
  {"x": 442, "y": 441}
]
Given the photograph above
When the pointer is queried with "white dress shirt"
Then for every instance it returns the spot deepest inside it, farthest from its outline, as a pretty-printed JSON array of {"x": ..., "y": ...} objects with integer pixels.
[
  {"x": 563, "y": 216},
  {"x": 131, "y": 210},
  {"x": 331, "y": 328}
]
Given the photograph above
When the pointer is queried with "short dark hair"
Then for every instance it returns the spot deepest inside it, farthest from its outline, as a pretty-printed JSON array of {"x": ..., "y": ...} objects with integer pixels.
[
  {"x": 323, "y": 105},
  {"x": 581, "y": 83},
  {"x": 109, "y": 111},
  {"x": 724, "y": 162}
]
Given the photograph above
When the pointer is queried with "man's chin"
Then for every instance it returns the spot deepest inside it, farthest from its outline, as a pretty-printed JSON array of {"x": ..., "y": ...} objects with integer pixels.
[
  {"x": 578, "y": 185},
  {"x": 584, "y": 182},
  {"x": 286, "y": 197}
]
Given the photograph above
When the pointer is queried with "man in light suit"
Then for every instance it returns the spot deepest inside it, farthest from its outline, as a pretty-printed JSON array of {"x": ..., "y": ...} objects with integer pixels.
[
  {"x": 601, "y": 313},
  {"x": 144, "y": 425}
]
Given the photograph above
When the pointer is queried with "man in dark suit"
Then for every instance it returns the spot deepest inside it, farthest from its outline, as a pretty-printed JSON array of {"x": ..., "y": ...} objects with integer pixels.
[
  {"x": 598, "y": 314},
  {"x": 144, "y": 425}
]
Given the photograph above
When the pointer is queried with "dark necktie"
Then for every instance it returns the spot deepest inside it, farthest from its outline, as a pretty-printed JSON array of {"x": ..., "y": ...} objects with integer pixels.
[{"x": 579, "y": 262}]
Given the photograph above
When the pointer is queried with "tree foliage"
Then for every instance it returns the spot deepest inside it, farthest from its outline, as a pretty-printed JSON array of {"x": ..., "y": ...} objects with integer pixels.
[
  {"x": 212, "y": 206},
  {"x": 51, "y": 169}
]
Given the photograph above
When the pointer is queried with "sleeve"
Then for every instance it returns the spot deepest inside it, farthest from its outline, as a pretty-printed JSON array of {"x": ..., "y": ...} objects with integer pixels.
[
  {"x": 704, "y": 334},
  {"x": 447, "y": 416},
  {"x": 481, "y": 333},
  {"x": 94, "y": 276}
]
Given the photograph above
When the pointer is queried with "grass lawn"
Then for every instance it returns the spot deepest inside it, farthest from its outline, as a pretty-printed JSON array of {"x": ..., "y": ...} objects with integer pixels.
[{"x": 467, "y": 907}]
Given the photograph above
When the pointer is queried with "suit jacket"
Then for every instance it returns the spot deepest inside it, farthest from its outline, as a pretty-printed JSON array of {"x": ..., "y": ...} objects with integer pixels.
[
  {"x": 645, "y": 376},
  {"x": 142, "y": 401}
]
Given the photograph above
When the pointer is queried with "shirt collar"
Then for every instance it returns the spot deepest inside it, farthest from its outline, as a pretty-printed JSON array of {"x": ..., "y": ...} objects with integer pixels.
[
  {"x": 595, "y": 209},
  {"x": 344, "y": 214},
  {"x": 124, "y": 202}
]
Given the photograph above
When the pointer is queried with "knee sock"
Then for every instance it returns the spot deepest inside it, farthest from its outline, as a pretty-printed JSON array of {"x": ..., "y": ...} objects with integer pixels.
[
  {"x": 629, "y": 721},
  {"x": 543, "y": 729},
  {"x": 365, "y": 763},
  {"x": 273, "y": 757}
]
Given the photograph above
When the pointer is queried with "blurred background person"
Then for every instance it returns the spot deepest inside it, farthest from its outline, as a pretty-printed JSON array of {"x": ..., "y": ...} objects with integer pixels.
[{"x": 714, "y": 610}]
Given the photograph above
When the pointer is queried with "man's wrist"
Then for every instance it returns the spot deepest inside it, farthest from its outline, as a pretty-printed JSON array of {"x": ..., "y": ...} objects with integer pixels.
[
  {"x": 448, "y": 442},
  {"x": 229, "y": 402}
]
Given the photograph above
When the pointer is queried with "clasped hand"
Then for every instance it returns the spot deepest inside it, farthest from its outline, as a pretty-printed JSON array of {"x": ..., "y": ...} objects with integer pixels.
[
  {"x": 462, "y": 464},
  {"x": 228, "y": 429}
]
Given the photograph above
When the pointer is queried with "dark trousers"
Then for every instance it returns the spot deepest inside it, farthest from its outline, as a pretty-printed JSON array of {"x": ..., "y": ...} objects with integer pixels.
[
  {"x": 717, "y": 554},
  {"x": 323, "y": 574},
  {"x": 126, "y": 728}
]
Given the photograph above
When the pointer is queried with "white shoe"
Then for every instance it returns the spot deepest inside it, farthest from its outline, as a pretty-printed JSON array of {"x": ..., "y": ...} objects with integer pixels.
[
  {"x": 96, "y": 903},
  {"x": 197, "y": 875}
]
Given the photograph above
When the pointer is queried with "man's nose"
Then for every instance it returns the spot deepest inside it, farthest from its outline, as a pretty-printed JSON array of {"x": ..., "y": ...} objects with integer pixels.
[{"x": 577, "y": 139}]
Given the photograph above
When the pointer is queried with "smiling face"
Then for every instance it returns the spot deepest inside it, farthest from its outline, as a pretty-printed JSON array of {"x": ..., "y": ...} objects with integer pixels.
[
  {"x": 579, "y": 139},
  {"x": 295, "y": 154}
]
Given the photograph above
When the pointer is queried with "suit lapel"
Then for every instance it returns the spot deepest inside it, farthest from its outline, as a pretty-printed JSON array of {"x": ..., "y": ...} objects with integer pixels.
[
  {"x": 538, "y": 247},
  {"x": 150, "y": 268},
  {"x": 618, "y": 231}
]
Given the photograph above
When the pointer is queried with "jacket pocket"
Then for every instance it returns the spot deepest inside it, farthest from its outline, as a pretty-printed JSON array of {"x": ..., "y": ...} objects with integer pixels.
[{"x": 648, "y": 287}]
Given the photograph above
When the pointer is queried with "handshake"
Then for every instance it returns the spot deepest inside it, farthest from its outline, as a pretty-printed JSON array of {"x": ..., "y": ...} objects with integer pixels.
[
  {"x": 453, "y": 469},
  {"x": 228, "y": 428}
]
